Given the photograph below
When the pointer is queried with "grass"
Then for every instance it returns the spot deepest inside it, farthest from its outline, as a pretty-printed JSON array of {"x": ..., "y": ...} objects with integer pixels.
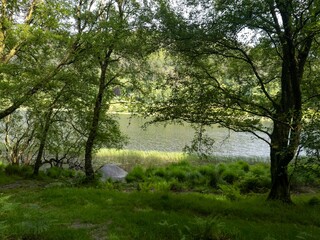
[
  {"x": 167, "y": 196},
  {"x": 89, "y": 213},
  {"x": 131, "y": 158}
]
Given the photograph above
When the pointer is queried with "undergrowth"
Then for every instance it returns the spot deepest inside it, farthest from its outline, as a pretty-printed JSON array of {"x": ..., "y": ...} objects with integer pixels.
[{"x": 219, "y": 201}]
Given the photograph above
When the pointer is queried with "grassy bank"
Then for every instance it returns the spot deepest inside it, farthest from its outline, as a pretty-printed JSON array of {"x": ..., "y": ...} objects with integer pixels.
[
  {"x": 166, "y": 196},
  {"x": 89, "y": 213}
]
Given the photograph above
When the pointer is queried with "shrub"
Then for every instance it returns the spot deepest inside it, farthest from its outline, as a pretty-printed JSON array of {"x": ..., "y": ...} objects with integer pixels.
[
  {"x": 221, "y": 168},
  {"x": 314, "y": 201},
  {"x": 243, "y": 166},
  {"x": 26, "y": 171},
  {"x": 260, "y": 169},
  {"x": 68, "y": 173},
  {"x": 11, "y": 170},
  {"x": 305, "y": 172},
  {"x": 54, "y": 172},
  {"x": 230, "y": 176},
  {"x": 230, "y": 192},
  {"x": 137, "y": 174},
  {"x": 254, "y": 183},
  {"x": 177, "y": 186},
  {"x": 160, "y": 172},
  {"x": 178, "y": 174},
  {"x": 22, "y": 171},
  {"x": 207, "y": 170},
  {"x": 213, "y": 180}
]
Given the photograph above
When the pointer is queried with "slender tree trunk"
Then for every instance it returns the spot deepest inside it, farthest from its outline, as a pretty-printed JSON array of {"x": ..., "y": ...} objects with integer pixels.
[
  {"x": 43, "y": 139},
  {"x": 95, "y": 119},
  {"x": 94, "y": 128}
]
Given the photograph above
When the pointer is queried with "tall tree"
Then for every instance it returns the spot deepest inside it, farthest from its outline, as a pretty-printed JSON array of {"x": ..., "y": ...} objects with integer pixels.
[
  {"x": 109, "y": 32},
  {"x": 244, "y": 61}
]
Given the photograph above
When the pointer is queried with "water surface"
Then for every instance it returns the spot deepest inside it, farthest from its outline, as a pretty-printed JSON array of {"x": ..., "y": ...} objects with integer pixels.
[{"x": 174, "y": 137}]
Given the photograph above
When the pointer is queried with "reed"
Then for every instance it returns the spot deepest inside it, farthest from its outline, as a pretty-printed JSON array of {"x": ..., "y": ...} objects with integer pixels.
[{"x": 131, "y": 158}]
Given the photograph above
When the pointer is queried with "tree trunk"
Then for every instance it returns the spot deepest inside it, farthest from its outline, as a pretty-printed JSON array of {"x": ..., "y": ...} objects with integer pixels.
[
  {"x": 95, "y": 119},
  {"x": 43, "y": 139},
  {"x": 280, "y": 156},
  {"x": 93, "y": 130}
]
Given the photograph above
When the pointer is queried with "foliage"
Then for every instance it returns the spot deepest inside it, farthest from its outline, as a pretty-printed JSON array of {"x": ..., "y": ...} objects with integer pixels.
[
  {"x": 137, "y": 174},
  {"x": 236, "y": 65},
  {"x": 230, "y": 178},
  {"x": 16, "y": 170},
  {"x": 201, "y": 144},
  {"x": 310, "y": 139},
  {"x": 18, "y": 131}
]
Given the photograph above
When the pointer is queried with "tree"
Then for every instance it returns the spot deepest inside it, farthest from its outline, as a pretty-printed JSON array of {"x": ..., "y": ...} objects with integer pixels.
[
  {"x": 240, "y": 62},
  {"x": 18, "y": 130},
  {"x": 110, "y": 36},
  {"x": 34, "y": 48}
]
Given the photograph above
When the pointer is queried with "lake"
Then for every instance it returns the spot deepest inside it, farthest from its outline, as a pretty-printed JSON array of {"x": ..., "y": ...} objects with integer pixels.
[{"x": 173, "y": 137}]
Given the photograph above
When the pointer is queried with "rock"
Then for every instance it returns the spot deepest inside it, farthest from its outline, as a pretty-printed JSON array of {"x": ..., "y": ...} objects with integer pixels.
[{"x": 112, "y": 171}]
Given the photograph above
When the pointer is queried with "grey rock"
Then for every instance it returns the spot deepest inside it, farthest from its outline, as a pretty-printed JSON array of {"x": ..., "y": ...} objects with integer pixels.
[{"x": 112, "y": 171}]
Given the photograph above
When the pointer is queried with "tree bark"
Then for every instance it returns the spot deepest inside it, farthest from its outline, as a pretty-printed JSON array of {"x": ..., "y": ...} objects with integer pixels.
[
  {"x": 280, "y": 157},
  {"x": 285, "y": 138},
  {"x": 43, "y": 139},
  {"x": 95, "y": 118}
]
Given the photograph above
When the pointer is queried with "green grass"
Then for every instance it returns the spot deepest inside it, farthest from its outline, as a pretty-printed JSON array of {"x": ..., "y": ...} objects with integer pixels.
[
  {"x": 177, "y": 199},
  {"x": 89, "y": 213}
]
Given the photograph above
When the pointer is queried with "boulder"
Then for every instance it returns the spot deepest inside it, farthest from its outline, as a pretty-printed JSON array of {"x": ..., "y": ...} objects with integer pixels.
[{"x": 112, "y": 171}]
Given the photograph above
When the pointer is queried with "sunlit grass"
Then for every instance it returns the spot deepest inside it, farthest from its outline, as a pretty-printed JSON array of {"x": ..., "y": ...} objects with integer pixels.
[{"x": 131, "y": 158}]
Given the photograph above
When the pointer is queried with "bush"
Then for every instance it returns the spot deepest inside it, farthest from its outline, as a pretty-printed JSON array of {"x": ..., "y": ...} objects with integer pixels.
[
  {"x": 160, "y": 172},
  {"x": 54, "y": 172},
  {"x": 221, "y": 168},
  {"x": 26, "y": 171},
  {"x": 314, "y": 201},
  {"x": 16, "y": 170},
  {"x": 304, "y": 173},
  {"x": 177, "y": 173},
  {"x": 213, "y": 180},
  {"x": 260, "y": 169},
  {"x": 230, "y": 176},
  {"x": 177, "y": 186},
  {"x": 243, "y": 166},
  {"x": 254, "y": 183},
  {"x": 230, "y": 192},
  {"x": 207, "y": 170},
  {"x": 11, "y": 170},
  {"x": 137, "y": 174}
]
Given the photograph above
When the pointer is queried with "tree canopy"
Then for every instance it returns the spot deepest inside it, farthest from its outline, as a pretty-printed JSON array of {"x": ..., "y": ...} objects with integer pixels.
[
  {"x": 241, "y": 62},
  {"x": 232, "y": 63}
]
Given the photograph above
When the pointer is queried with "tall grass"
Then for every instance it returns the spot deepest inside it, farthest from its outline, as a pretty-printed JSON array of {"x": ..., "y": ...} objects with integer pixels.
[{"x": 131, "y": 158}]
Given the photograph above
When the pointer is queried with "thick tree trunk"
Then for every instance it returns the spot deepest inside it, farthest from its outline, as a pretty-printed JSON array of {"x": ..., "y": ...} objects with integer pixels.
[{"x": 280, "y": 158}]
